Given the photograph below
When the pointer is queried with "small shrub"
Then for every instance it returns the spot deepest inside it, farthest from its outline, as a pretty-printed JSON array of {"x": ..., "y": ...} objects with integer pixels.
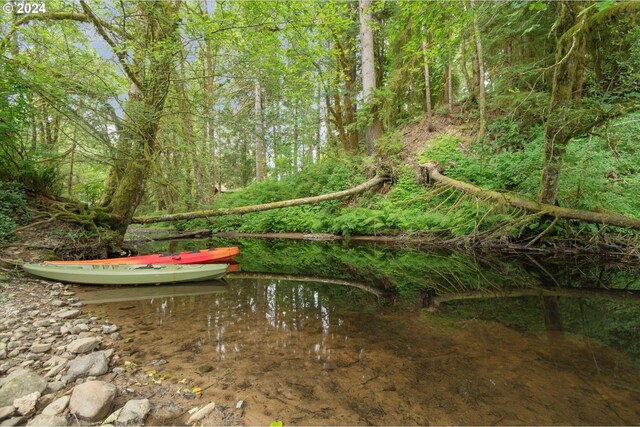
[{"x": 13, "y": 208}]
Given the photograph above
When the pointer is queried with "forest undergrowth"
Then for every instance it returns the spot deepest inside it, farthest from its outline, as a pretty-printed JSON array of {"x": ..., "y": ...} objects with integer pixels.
[{"x": 599, "y": 174}]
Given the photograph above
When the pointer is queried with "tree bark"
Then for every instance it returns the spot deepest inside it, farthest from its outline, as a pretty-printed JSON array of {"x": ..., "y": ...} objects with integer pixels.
[
  {"x": 261, "y": 160},
  {"x": 192, "y": 152},
  {"x": 427, "y": 85},
  {"x": 449, "y": 84},
  {"x": 465, "y": 70},
  {"x": 481, "y": 89},
  {"x": 374, "y": 182},
  {"x": 71, "y": 165},
  {"x": 374, "y": 130},
  {"x": 560, "y": 120},
  {"x": 475, "y": 75},
  {"x": 345, "y": 116}
]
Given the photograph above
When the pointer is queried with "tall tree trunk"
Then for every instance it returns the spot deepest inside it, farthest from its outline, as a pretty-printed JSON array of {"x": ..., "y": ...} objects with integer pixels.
[
  {"x": 442, "y": 92},
  {"x": 193, "y": 153},
  {"x": 310, "y": 158},
  {"x": 481, "y": 89},
  {"x": 46, "y": 126},
  {"x": 427, "y": 85},
  {"x": 34, "y": 132},
  {"x": 597, "y": 63},
  {"x": 449, "y": 84},
  {"x": 159, "y": 24},
  {"x": 345, "y": 116},
  {"x": 373, "y": 131},
  {"x": 71, "y": 165},
  {"x": 508, "y": 50},
  {"x": 121, "y": 152},
  {"x": 580, "y": 60},
  {"x": 295, "y": 142},
  {"x": 465, "y": 71},
  {"x": 210, "y": 139},
  {"x": 475, "y": 71},
  {"x": 261, "y": 160},
  {"x": 336, "y": 112},
  {"x": 560, "y": 117}
]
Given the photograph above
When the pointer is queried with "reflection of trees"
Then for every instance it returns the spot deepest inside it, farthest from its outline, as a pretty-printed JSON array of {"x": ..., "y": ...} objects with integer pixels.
[
  {"x": 414, "y": 276},
  {"x": 309, "y": 279}
]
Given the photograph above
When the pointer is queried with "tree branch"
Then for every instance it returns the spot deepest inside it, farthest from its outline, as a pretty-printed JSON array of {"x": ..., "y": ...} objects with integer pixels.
[
  {"x": 122, "y": 57},
  {"x": 51, "y": 16}
]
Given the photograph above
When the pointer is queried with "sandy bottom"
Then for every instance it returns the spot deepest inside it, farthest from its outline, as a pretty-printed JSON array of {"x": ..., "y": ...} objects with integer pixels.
[{"x": 292, "y": 356}]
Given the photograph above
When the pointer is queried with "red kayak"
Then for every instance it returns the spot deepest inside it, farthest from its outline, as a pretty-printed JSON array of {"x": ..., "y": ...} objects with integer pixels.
[{"x": 198, "y": 256}]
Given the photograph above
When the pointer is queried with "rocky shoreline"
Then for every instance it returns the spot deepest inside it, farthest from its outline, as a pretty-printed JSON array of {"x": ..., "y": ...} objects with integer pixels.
[{"x": 60, "y": 366}]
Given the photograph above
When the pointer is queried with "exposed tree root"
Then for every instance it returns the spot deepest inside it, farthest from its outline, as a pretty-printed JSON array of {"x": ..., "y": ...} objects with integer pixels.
[{"x": 34, "y": 224}]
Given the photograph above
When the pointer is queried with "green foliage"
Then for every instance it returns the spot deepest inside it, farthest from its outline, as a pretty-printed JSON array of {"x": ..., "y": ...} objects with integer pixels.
[
  {"x": 90, "y": 191},
  {"x": 13, "y": 208}
]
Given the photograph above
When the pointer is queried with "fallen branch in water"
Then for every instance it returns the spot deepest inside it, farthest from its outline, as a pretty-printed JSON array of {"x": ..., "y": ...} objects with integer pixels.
[
  {"x": 374, "y": 182},
  {"x": 517, "y": 201},
  {"x": 296, "y": 278},
  {"x": 613, "y": 294}
]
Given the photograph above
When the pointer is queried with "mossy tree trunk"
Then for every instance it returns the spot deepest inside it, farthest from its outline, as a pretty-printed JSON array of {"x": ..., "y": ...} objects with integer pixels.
[
  {"x": 561, "y": 117},
  {"x": 154, "y": 61}
]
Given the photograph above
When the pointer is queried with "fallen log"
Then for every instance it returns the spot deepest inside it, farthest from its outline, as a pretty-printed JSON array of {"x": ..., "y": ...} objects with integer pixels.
[
  {"x": 197, "y": 234},
  {"x": 433, "y": 174},
  {"x": 373, "y": 182}
]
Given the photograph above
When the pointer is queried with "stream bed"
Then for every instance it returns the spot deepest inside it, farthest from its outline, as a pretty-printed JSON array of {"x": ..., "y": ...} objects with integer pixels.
[{"x": 313, "y": 333}]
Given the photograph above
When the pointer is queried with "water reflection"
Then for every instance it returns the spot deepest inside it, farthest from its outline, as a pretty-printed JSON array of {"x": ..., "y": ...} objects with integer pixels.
[{"x": 339, "y": 337}]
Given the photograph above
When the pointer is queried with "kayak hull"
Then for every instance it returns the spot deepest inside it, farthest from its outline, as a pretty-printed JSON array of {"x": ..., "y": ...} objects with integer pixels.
[
  {"x": 203, "y": 256},
  {"x": 110, "y": 294},
  {"x": 116, "y": 275}
]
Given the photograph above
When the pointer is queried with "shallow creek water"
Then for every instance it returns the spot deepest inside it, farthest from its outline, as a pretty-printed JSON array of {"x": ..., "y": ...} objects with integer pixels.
[{"x": 324, "y": 334}]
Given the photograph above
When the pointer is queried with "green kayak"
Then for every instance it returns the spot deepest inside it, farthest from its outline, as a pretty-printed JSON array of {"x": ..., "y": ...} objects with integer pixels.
[{"x": 127, "y": 274}]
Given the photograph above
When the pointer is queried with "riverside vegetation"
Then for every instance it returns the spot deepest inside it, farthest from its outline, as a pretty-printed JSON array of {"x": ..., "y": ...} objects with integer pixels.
[{"x": 536, "y": 100}]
